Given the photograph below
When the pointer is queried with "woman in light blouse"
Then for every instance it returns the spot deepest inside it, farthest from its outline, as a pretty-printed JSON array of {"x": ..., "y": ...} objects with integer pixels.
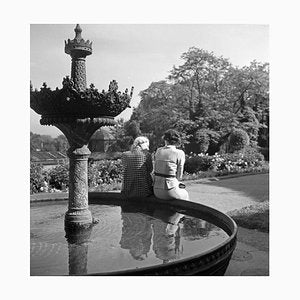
[{"x": 168, "y": 169}]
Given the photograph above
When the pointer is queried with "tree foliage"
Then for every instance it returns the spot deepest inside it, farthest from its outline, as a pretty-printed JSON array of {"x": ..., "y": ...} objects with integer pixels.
[
  {"x": 122, "y": 141},
  {"x": 206, "y": 98},
  {"x": 48, "y": 143}
]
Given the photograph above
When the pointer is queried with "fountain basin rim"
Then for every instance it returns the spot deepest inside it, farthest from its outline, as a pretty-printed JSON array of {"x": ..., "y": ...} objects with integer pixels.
[{"x": 118, "y": 198}]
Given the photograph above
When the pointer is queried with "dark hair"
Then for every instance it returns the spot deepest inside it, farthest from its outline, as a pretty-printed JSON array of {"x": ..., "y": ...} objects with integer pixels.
[{"x": 172, "y": 136}]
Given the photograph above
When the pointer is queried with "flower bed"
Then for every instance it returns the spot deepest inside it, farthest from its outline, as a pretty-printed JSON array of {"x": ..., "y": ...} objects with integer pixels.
[
  {"x": 103, "y": 175},
  {"x": 249, "y": 158},
  {"x": 106, "y": 174}
]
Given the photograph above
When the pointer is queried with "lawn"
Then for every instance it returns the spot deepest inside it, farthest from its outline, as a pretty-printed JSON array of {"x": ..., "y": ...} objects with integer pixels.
[{"x": 253, "y": 216}]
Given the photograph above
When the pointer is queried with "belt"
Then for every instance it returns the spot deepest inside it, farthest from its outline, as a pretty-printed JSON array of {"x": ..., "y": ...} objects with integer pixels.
[{"x": 164, "y": 175}]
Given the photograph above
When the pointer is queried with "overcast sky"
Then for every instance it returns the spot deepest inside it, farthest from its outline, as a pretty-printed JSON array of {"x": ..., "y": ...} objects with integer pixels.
[{"x": 136, "y": 55}]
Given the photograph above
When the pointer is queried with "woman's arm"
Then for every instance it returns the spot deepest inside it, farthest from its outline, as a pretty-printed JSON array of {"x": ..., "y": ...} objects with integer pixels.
[{"x": 180, "y": 164}]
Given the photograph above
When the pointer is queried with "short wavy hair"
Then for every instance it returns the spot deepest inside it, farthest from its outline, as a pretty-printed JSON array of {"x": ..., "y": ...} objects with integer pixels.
[
  {"x": 172, "y": 136},
  {"x": 140, "y": 143}
]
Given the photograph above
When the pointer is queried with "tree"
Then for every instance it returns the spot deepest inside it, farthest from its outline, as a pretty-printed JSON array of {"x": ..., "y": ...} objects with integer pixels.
[
  {"x": 42, "y": 142},
  {"x": 207, "y": 95},
  {"x": 61, "y": 143},
  {"x": 162, "y": 106},
  {"x": 132, "y": 128},
  {"x": 47, "y": 143},
  {"x": 203, "y": 74},
  {"x": 122, "y": 142}
]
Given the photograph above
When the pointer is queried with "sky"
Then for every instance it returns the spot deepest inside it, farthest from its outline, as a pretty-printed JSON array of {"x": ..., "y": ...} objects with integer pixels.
[{"x": 135, "y": 55}]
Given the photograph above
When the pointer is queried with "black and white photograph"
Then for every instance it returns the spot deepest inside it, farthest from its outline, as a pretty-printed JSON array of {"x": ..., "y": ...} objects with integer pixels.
[{"x": 154, "y": 149}]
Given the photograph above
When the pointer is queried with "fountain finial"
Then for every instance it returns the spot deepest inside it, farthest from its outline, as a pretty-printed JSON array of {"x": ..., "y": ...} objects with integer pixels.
[
  {"x": 78, "y": 46},
  {"x": 78, "y": 31}
]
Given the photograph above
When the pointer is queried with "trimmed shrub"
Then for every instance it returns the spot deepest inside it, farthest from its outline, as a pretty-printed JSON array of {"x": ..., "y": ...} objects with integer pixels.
[{"x": 238, "y": 140}]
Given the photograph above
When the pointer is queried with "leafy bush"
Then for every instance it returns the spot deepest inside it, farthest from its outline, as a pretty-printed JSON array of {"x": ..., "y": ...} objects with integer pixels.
[
  {"x": 103, "y": 175},
  {"x": 202, "y": 140},
  {"x": 106, "y": 187},
  {"x": 196, "y": 163},
  {"x": 238, "y": 139},
  {"x": 264, "y": 152},
  {"x": 37, "y": 177},
  {"x": 59, "y": 176},
  {"x": 252, "y": 156},
  {"x": 105, "y": 171}
]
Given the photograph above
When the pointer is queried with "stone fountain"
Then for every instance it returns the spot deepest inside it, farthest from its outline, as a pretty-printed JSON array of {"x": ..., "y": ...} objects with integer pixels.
[
  {"x": 145, "y": 236},
  {"x": 78, "y": 112}
]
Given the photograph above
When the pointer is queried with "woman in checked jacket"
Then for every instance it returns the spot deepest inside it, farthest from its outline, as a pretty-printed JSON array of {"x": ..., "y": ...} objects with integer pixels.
[{"x": 137, "y": 168}]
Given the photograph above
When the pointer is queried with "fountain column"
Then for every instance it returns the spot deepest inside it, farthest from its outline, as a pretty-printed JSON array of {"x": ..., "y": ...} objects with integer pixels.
[{"x": 78, "y": 211}]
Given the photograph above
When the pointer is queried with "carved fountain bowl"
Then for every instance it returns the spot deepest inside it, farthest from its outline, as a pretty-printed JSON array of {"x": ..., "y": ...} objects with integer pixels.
[
  {"x": 137, "y": 237},
  {"x": 68, "y": 104}
]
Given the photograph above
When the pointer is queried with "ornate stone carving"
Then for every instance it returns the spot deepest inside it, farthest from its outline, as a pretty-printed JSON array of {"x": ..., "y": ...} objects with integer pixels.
[
  {"x": 78, "y": 46},
  {"x": 69, "y": 102},
  {"x": 78, "y": 73}
]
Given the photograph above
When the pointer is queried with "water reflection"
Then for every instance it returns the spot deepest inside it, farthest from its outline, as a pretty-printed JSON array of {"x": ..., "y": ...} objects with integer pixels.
[
  {"x": 166, "y": 235},
  {"x": 163, "y": 230},
  {"x": 78, "y": 250},
  {"x": 136, "y": 234},
  {"x": 195, "y": 229},
  {"x": 157, "y": 225}
]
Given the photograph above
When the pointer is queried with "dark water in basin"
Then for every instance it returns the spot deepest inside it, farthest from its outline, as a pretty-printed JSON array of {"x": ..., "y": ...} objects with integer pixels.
[{"x": 125, "y": 238}]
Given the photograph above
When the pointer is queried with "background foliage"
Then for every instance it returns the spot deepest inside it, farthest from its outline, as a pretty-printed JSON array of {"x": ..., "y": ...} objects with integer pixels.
[
  {"x": 48, "y": 143},
  {"x": 206, "y": 98}
]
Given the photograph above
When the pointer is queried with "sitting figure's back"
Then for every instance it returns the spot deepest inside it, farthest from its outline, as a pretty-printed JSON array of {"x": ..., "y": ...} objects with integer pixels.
[
  {"x": 168, "y": 169},
  {"x": 137, "y": 166}
]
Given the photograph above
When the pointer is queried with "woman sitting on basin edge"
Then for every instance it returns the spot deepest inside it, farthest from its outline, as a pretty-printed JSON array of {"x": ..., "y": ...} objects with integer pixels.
[
  {"x": 137, "y": 166},
  {"x": 168, "y": 169}
]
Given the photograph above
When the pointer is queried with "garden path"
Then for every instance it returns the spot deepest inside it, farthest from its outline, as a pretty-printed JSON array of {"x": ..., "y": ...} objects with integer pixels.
[
  {"x": 251, "y": 256},
  {"x": 226, "y": 194}
]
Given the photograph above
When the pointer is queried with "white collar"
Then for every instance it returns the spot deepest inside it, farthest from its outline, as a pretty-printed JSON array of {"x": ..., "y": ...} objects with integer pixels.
[{"x": 170, "y": 146}]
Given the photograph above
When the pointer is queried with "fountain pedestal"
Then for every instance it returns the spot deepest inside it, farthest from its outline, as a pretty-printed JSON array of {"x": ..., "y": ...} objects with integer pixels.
[
  {"x": 78, "y": 135},
  {"x": 78, "y": 211}
]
